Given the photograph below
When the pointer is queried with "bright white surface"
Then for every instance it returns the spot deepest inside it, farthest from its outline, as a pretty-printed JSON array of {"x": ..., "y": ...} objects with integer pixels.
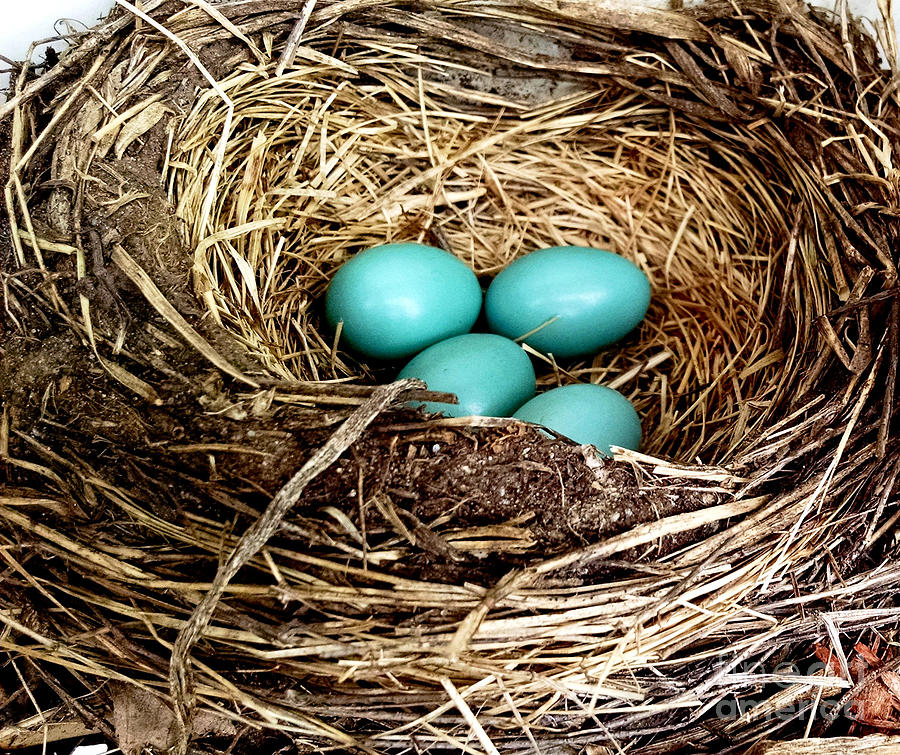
[
  {"x": 24, "y": 21},
  {"x": 90, "y": 750}
]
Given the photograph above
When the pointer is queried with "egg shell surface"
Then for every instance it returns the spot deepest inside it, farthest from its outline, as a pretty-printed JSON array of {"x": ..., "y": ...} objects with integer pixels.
[
  {"x": 585, "y": 298},
  {"x": 396, "y": 299},
  {"x": 491, "y": 375},
  {"x": 586, "y": 413}
]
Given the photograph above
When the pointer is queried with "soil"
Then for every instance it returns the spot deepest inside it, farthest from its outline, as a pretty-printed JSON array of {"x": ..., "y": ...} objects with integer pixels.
[
  {"x": 563, "y": 496},
  {"x": 6, "y": 249}
]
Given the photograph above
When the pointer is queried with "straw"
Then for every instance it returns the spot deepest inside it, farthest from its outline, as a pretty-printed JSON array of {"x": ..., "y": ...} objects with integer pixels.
[
  {"x": 328, "y": 165},
  {"x": 165, "y": 373}
]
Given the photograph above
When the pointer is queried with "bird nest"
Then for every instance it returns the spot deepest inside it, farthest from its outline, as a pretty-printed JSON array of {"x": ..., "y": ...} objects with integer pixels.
[{"x": 213, "y": 515}]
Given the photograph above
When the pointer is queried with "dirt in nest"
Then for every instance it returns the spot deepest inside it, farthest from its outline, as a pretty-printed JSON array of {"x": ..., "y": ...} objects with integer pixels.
[
  {"x": 44, "y": 360},
  {"x": 6, "y": 247},
  {"x": 562, "y": 495}
]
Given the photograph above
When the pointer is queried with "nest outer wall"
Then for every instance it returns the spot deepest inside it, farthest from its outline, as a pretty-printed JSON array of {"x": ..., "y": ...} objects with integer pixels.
[{"x": 421, "y": 578}]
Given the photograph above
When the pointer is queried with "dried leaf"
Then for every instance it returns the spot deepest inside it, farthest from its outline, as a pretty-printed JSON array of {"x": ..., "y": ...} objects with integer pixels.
[
  {"x": 139, "y": 125},
  {"x": 142, "y": 720},
  {"x": 743, "y": 65},
  {"x": 868, "y": 655},
  {"x": 824, "y": 653},
  {"x": 891, "y": 680}
]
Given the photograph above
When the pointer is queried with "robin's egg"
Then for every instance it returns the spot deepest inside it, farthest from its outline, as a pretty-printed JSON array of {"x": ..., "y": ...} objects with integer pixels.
[
  {"x": 490, "y": 375},
  {"x": 396, "y": 299},
  {"x": 568, "y": 300},
  {"x": 586, "y": 413}
]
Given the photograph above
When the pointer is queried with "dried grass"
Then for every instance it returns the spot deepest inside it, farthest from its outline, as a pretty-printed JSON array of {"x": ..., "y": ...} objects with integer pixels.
[{"x": 742, "y": 154}]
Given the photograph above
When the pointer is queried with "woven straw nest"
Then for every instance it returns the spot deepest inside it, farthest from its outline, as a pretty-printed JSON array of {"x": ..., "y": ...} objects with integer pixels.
[{"x": 212, "y": 511}]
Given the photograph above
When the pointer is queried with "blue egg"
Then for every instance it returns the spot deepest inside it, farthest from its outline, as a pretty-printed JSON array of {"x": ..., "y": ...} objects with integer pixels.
[
  {"x": 572, "y": 300},
  {"x": 490, "y": 375},
  {"x": 586, "y": 413},
  {"x": 396, "y": 299}
]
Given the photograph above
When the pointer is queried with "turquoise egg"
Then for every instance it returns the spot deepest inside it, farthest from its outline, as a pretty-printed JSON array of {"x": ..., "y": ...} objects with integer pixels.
[
  {"x": 586, "y": 413},
  {"x": 396, "y": 299},
  {"x": 490, "y": 375},
  {"x": 588, "y": 298}
]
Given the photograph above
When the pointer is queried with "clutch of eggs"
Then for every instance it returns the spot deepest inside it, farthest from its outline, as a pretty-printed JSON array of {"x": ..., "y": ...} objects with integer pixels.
[{"x": 396, "y": 300}]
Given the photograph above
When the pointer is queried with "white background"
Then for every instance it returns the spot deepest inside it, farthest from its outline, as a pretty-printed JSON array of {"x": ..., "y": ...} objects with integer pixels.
[{"x": 27, "y": 20}]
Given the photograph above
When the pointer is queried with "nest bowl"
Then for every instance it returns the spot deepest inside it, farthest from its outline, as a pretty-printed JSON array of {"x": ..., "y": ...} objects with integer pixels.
[{"x": 210, "y": 510}]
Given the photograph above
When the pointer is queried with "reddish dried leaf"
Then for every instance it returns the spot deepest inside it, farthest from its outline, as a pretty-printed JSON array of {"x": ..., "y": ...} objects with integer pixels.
[
  {"x": 891, "y": 680},
  {"x": 874, "y": 707},
  {"x": 859, "y": 669},
  {"x": 823, "y": 653},
  {"x": 882, "y": 726},
  {"x": 868, "y": 655}
]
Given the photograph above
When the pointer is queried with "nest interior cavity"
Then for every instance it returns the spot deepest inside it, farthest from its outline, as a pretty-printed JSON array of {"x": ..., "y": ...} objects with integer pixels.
[{"x": 385, "y": 145}]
